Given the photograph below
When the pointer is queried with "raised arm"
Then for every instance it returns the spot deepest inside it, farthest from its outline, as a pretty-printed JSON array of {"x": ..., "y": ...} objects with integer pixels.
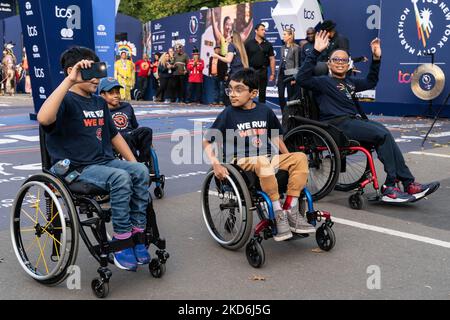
[
  {"x": 305, "y": 76},
  {"x": 49, "y": 110},
  {"x": 371, "y": 80}
]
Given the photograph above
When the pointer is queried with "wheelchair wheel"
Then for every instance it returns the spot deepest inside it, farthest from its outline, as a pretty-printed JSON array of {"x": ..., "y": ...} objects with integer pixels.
[
  {"x": 255, "y": 254},
  {"x": 226, "y": 209},
  {"x": 325, "y": 238},
  {"x": 323, "y": 156},
  {"x": 100, "y": 288},
  {"x": 357, "y": 168},
  {"x": 44, "y": 229}
]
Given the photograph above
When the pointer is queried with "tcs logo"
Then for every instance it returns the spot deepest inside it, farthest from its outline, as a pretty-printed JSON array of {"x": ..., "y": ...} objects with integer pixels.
[
  {"x": 309, "y": 15},
  {"x": 404, "y": 77},
  {"x": 63, "y": 13}
]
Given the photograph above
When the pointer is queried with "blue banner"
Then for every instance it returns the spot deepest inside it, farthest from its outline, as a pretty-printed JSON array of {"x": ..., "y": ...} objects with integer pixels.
[
  {"x": 413, "y": 31},
  {"x": 35, "y": 44},
  {"x": 179, "y": 29},
  {"x": 104, "y": 31},
  {"x": 49, "y": 28}
]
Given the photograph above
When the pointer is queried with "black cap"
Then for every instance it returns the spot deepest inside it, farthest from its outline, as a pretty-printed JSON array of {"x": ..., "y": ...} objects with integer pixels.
[{"x": 328, "y": 25}]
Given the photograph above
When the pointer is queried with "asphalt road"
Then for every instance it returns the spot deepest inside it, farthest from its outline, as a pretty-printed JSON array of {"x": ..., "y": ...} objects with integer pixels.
[{"x": 408, "y": 245}]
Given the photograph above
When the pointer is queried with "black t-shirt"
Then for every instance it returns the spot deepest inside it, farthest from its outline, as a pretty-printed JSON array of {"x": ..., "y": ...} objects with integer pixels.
[
  {"x": 82, "y": 132},
  {"x": 245, "y": 133},
  {"x": 124, "y": 118},
  {"x": 259, "y": 53}
]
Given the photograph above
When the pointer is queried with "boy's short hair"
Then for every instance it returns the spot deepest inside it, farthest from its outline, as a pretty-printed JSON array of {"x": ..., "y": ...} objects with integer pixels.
[
  {"x": 248, "y": 77},
  {"x": 72, "y": 56}
]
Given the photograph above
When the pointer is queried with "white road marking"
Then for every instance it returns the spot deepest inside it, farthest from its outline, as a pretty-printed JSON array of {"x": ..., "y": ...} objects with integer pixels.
[
  {"x": 430, "y": 154},
  {"x": 8, "y": 141},
  {"x": 395, "y": 233},
  {"x": 439, "y": 135},
  {"x": 24, "y": 138}
]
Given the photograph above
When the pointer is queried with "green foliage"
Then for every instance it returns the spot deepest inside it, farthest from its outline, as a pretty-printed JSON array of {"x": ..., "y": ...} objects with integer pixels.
[{"x": 146, "y": 10}]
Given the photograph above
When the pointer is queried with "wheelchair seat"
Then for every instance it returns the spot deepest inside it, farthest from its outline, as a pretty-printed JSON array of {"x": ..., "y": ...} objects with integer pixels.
[
  {"x": 87, "y": 189},
  {"x": 282, "y": 178}
]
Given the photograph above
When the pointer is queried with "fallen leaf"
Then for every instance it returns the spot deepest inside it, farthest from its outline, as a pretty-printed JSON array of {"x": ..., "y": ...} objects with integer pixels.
[
  {"x": 317, "y": 250},
  {"x": 429, "y": 287},
  {"x": 257, "y": 278},
  {"x": 2, "y": 260}
]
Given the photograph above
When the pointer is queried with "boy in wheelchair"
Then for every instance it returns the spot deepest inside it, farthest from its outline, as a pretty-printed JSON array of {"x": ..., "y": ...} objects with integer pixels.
[
  {"x": 139, "y": 139},
  {"x": 79, "y": 127},
  {"x": 335, "y": 94},
  {"x": 249, "y": 128}
]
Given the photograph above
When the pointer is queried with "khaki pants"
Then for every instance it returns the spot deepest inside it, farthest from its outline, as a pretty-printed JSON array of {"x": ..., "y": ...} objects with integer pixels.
[{"x": 294, "y": 163}]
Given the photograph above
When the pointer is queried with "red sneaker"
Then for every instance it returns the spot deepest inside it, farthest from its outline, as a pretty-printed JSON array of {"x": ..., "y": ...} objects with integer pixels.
[{"x": 420, "y": 191}]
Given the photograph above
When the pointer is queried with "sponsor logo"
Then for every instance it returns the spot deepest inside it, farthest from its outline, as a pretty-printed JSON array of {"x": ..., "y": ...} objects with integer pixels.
[
  {"x": 101, "y": 31},
  {"x": 266, "y": 25},
  {"x": 309, "y": 15},
  {"x": 28, "y": 10},
  {"x": 431, "y": 30},
  {"x": 39, "y": 73},
  {"x": 287, "y": 27},
  {"x": 158, "y": 26},
  {"x": 36, "y": 53},
  {"x": 193, "y": 25},
  {"x": 32, "y": 31},
  {"x": 404, "y": 77},
  {"x": 73, "y": 16},
  {"x": 42, "y": 94}
]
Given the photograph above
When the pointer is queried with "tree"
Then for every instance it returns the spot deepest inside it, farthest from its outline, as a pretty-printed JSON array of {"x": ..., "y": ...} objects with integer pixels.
[{"x": 146, "y": 10}]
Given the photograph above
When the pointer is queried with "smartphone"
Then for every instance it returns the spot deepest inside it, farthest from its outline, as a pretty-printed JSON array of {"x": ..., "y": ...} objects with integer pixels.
[{"x": 98, "y": 70}]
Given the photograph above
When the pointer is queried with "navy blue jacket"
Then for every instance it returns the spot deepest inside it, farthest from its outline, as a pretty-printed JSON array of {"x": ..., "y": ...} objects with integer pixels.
[{"x": 334, "y": 96}]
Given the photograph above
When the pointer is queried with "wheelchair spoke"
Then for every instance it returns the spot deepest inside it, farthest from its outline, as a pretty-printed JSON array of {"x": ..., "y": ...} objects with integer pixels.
[{"x": 26, "y": 213}]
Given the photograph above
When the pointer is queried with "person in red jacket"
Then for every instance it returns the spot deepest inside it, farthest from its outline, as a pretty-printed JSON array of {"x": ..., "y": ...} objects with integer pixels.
[{"x": 195, "y": 68}]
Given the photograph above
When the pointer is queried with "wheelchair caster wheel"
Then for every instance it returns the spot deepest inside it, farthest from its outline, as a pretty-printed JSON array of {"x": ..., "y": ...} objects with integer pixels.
[
  {"x": 255, "y": 254},
  {"x": 100, "y": 288},
  {"x": 159, "y": 192},
  {"x": 325, "y": 238},
  {"x": 357, "y": 201},
  {"x": 157, "y": 269}
]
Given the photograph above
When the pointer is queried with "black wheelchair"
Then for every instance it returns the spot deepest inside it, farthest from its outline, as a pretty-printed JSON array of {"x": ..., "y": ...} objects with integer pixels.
[
  {"x": 49, "y": 216},
  {"x": 228, "y": 207},
  {"x": 335, "y": 161}
]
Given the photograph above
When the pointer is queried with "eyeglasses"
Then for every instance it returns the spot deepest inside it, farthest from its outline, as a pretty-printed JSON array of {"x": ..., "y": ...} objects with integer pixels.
[
  {"x": 237, "y": 91},
  {"x": 340, "y": 60}
]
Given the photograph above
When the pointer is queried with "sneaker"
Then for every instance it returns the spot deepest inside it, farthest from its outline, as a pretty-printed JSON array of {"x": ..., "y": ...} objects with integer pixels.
[
  {"x": 298, "y": 223},
  {"x": 125, "y": 259},
  {"x": 142, "y": 255},
  {"x": 392, "y": 194},
  {"x": 419, "y": 191},
  {"x": 283, "y": 229}
]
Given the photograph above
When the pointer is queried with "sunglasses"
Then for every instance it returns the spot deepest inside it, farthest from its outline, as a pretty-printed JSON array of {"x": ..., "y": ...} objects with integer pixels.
[{"x": 340, "y": 60}]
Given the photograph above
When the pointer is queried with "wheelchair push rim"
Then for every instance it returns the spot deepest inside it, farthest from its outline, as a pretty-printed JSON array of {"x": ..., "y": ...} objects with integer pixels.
[
  {"x": 39, "y": 222},
  {"x": 225, "y": 211},
  {"x": 323, "y": 157}
]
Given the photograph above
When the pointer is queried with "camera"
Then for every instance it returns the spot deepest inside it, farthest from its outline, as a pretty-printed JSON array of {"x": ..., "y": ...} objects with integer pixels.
[{"x": 98, "y": 70}]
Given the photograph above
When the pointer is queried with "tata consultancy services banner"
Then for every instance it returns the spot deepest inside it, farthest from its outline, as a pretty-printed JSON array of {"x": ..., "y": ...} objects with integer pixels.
[
  {"x": 411, "y": 31},
  {"x": 105, "y": 31},
  {"x": 49, "y": 28}
]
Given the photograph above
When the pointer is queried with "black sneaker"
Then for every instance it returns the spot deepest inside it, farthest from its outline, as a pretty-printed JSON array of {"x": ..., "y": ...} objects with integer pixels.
[
  {"x": 395, "y": 195},
  {"x": 419, "y": 191}
]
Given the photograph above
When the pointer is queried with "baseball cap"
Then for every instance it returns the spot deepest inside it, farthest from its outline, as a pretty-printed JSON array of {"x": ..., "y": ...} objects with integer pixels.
[{"x": 107, "y": 84}]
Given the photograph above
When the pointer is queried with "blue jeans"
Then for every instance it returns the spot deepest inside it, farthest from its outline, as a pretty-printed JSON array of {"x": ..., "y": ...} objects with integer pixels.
[{"x": 127, "y": 184}]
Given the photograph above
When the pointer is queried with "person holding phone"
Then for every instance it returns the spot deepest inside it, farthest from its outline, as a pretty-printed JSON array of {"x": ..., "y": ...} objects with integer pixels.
[{"x": 79, "y": 127}]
